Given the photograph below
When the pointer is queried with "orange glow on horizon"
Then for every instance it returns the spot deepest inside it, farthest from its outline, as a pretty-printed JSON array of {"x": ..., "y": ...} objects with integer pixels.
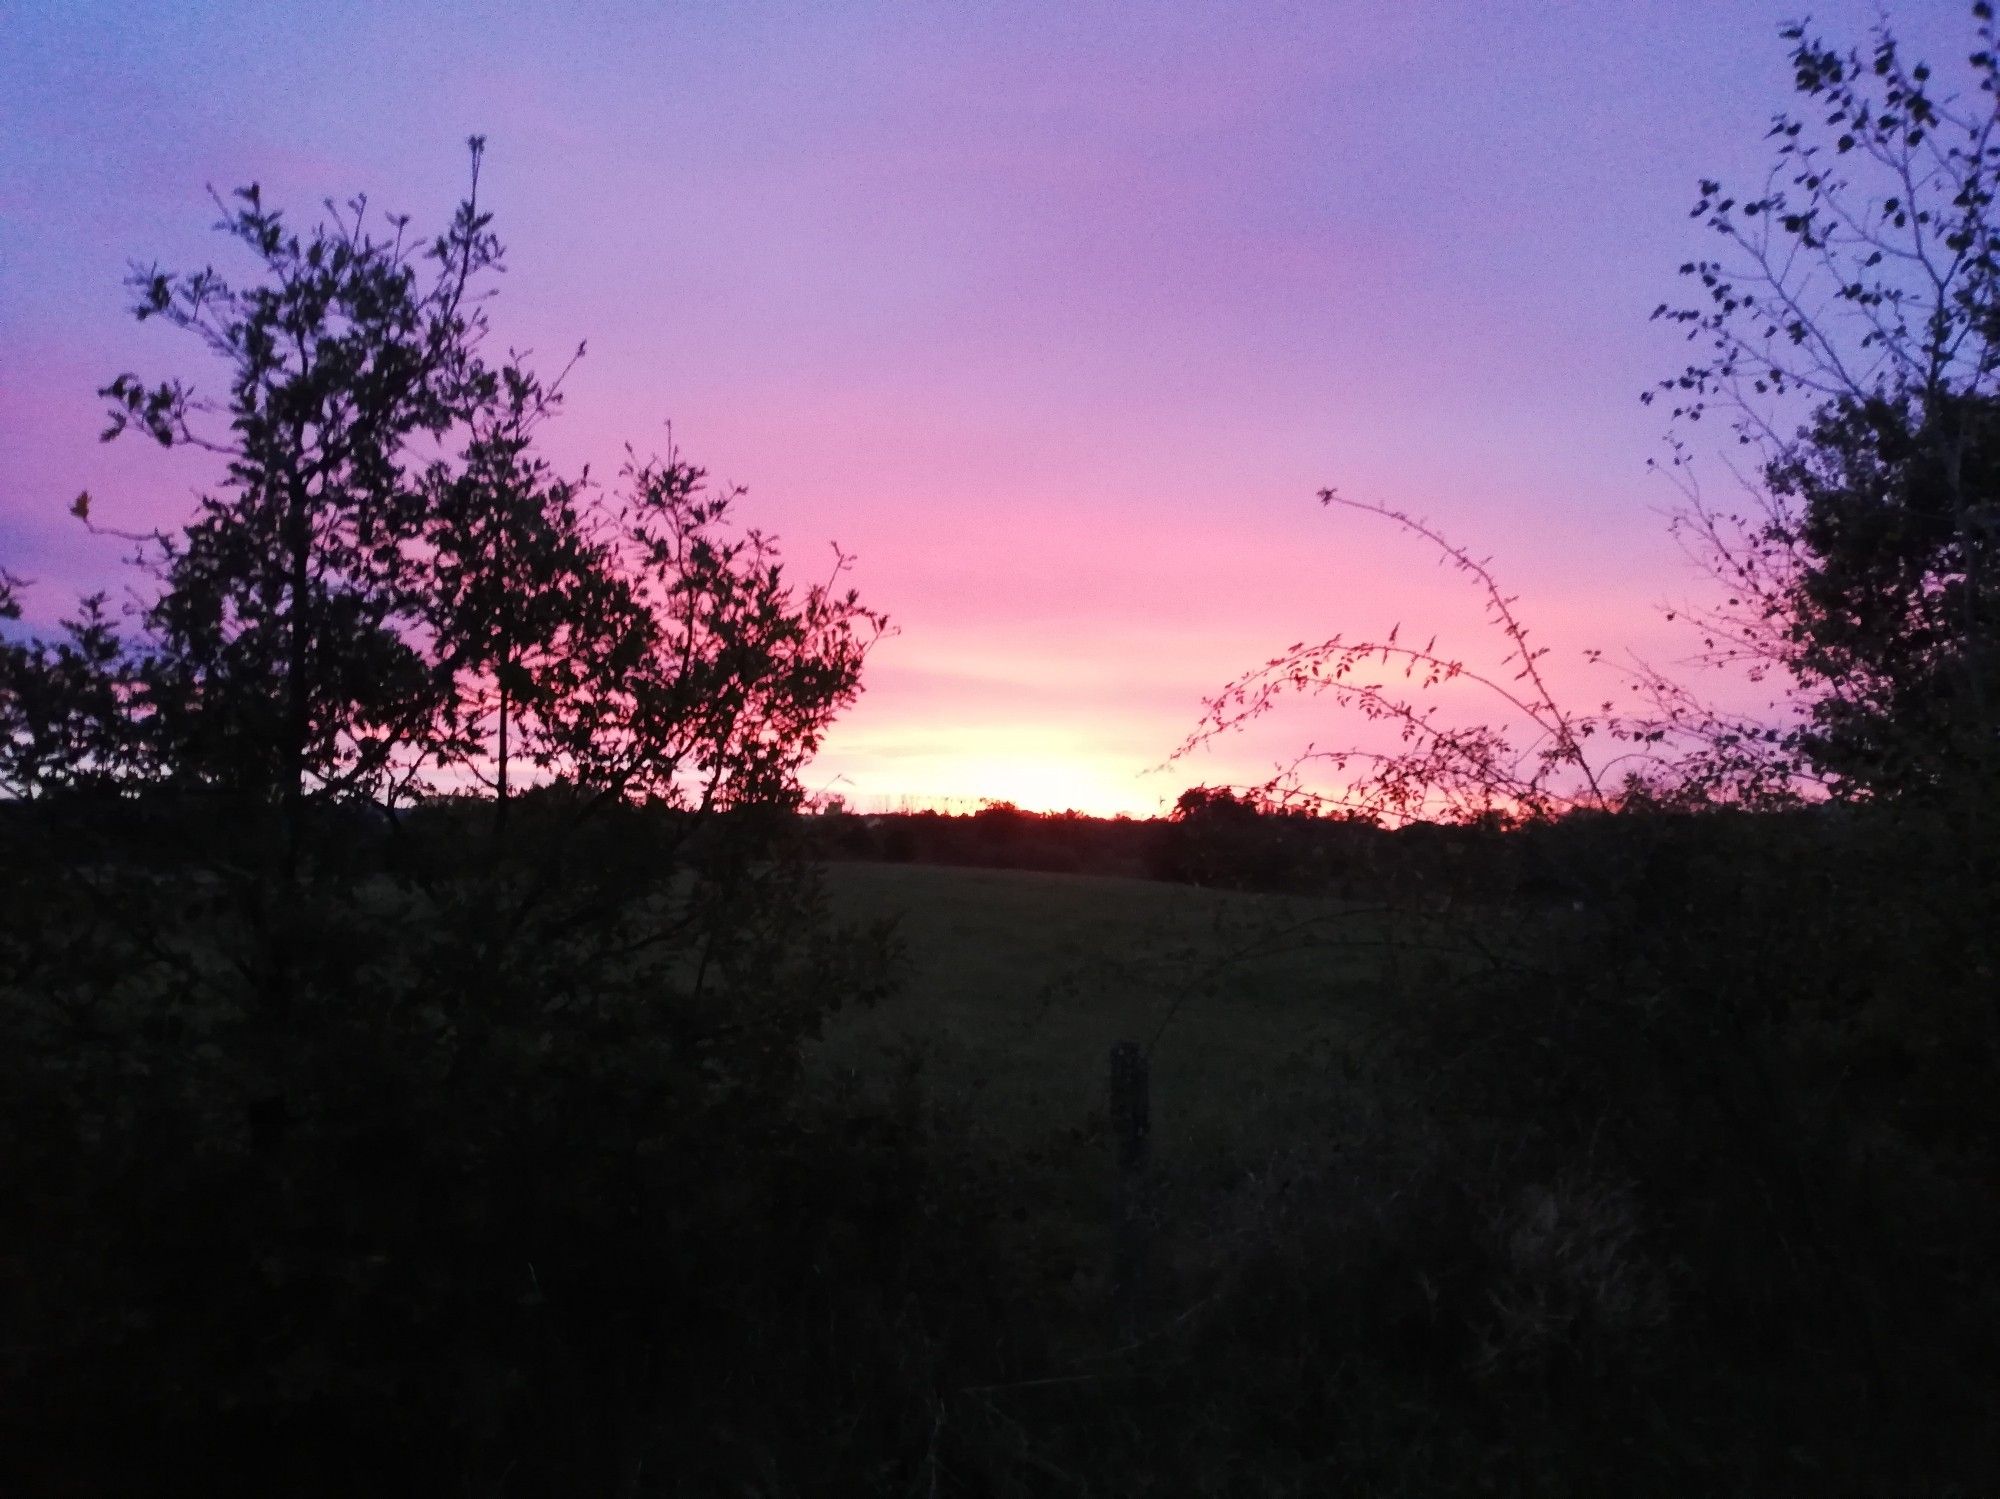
[{"x": 1038, "y": 767}]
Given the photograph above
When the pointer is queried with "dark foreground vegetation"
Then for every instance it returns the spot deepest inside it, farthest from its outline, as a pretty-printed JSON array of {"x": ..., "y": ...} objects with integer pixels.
[
  {"x": 1691, "y": 1190},
  {"x": 437, "y": 1054}
]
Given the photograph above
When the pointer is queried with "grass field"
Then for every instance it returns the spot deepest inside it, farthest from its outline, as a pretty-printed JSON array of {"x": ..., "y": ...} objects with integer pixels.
[{"x": 1017, "y": 984}]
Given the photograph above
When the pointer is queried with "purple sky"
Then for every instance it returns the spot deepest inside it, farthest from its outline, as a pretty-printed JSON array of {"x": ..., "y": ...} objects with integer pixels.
[{"x": 1056, "y": 316}]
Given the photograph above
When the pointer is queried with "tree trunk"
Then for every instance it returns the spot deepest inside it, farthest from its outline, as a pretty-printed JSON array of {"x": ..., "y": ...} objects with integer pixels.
[
  {"x": 500, "y": 781},
  {"x": 299, "y": 727}
]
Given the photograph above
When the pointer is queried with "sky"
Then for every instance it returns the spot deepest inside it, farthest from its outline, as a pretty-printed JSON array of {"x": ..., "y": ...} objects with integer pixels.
[{"x": 1056, "y": 317}]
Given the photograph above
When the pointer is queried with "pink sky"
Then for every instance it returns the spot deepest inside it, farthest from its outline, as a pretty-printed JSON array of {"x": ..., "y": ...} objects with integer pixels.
[{"x": 1056, "y": 317}]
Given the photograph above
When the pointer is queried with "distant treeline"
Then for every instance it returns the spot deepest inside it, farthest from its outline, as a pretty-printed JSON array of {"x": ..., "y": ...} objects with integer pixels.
[{"x": 1221, "y": 841}]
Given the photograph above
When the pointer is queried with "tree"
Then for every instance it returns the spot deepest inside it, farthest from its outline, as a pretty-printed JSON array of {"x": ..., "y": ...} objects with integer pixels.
[
  {"x": 708, "y": 679},
  {"x": 1851, "y": 333},
  {"x": 347, "y": 619},
  {"x": 350, "y": 618},
  {"x": 71, "y": 726},
  {"x": 283, "y": 635},
  {"x": 514, "y": 584},
  {"x": 1214, "y": 804},
  {"x": 69, "y": 708}
]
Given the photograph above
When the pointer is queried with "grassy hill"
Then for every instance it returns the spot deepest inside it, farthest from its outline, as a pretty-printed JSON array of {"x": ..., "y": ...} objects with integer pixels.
[{"x": 1016, "y": 984}]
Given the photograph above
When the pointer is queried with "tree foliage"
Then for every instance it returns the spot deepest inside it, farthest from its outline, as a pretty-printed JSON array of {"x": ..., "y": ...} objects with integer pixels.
[
  {"x": 283, "y": 637},
  {"x": 392, "y": 593},
  {"x": 66, "y": 706},
  {"x": 1850, "y": 332}
]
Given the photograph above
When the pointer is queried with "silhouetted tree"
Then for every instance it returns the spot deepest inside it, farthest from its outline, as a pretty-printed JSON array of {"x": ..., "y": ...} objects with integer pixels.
[
  {"x": 1213, "y": 803},
  {"x": 711, "y": 677},
  {"x": 286, "y": 656},
  {"x": 514, "y": 583},
  {"x": 1851, "y": 332},
  {"x": 68, "y": 707}
]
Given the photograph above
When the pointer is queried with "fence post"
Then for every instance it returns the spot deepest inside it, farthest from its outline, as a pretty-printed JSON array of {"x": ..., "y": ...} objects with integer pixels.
[{"x": 1131, "y": 1130}]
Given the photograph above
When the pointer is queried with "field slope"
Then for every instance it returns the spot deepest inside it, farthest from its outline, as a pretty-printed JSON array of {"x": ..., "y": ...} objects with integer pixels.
[{"x": 1016, "y": 984}]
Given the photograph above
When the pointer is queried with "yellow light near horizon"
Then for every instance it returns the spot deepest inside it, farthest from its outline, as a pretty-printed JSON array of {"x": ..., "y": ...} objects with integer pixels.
[
  {"x": 1056, "y": 786},
  {"x": 961, "y": 782},
  {"x": 957, "y": 763}
]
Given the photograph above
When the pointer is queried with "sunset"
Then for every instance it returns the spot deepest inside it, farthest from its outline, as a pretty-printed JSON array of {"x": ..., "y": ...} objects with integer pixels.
[
  {"x": 1055, "y": 319},
  {"x": 1008, "y": 749}
]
